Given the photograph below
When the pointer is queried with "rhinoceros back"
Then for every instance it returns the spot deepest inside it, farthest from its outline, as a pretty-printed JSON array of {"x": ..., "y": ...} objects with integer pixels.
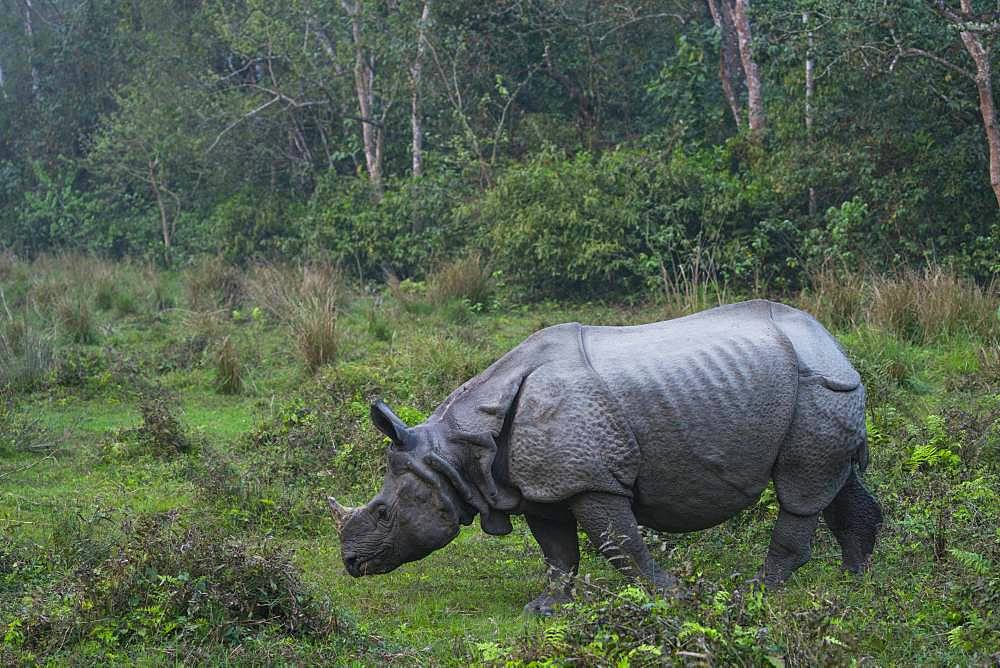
[{"x": 709, "y": 399}]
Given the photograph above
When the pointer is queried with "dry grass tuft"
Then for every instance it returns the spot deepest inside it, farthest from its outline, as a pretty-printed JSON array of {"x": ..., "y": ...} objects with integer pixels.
[
  {"x": 692, "y": 286},
  {"x": 307, "y": 300},
  {"x": 837, "y": 299},
  {"x": 211, "y": 284},
  {"x": 933, "y": 304},
  {"x": 467, "y": 278},
  {"x": 228, "y": 369}
]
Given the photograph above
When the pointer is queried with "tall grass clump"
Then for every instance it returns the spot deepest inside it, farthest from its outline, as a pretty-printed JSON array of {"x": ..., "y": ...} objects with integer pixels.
[
  {"x": 933, "y": 304},
  {"x": 212, "y": 283},
  {"x": 467, "y": 278},
  {"x": 306, "y": 299},
  {"x": 75, "y": 320},
  {"x": 692, "y": 285},
  {"x": 228, "y": 368},
  {"x": 838, "y": 299},
  {"x": 26, "y": 355}
]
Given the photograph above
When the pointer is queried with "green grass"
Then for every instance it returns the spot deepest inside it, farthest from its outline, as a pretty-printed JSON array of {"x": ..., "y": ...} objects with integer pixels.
[{"x": 262, "y": 460}]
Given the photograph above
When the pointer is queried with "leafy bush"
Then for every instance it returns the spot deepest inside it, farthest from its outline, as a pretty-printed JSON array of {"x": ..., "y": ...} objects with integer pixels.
[
  {"x": 161, "y": 433},
  {"x": 405, "y": 231},
  {"x": 589, "y": 225}
]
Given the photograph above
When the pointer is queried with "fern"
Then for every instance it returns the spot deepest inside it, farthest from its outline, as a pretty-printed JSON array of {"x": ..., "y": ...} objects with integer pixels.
[{"x": 972, "y": 561}]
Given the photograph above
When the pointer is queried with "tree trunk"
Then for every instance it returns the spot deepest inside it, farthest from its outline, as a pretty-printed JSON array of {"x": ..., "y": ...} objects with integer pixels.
[
  {"x": 810, "y": 92},
  {"x": 729, "y": 58},
  {"x": 364, "y": 79},
  {"x": 416, "y": 72},
  {"x": 984, "y": 85},
  {"x": 755, "y": 94},
  {"x": 29, "y": 33},
  {"x": 154, "y": 184}
]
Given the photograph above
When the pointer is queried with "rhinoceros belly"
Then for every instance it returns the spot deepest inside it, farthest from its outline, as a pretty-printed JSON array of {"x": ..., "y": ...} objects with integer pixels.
[{"x": 709, "y": 400}]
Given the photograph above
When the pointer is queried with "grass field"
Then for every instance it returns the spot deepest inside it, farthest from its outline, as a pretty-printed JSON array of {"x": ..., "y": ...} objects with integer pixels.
[{"x": 166, "y": 441}]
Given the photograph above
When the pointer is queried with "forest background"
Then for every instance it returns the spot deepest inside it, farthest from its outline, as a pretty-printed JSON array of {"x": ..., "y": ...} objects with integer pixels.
[{"x": 582, "y": 147}]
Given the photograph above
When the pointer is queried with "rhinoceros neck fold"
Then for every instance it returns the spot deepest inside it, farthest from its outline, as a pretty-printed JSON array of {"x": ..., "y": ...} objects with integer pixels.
[{"x": 482, "y": 404}]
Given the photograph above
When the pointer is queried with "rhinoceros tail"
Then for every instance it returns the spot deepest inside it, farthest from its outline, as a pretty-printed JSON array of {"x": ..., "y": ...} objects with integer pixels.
[{"x": 860, "y": 458}]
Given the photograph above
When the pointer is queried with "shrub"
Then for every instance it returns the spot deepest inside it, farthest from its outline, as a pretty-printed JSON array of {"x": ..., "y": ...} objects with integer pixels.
[
  {"x": 161, "y": 432},
  {"x": 170, "y": 579},
  {"x": 306, "y": 300},
  {"x": 212, "y": 284},
  {"x": 406, "y": 230},
  {"x": 467, "y": 278},
  {"x": 410, "y": 294},
  {"x": 21, "y": 433},
  {"x": 228, "y": 369},
  {"x": 560, "y": 226}
]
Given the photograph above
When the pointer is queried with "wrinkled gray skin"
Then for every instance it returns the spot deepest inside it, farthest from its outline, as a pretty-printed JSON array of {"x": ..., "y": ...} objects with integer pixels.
[{"x": 675, "y": 425}]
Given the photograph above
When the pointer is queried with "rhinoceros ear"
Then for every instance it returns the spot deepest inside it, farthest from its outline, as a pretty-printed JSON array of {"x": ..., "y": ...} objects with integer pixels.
[{"x": 389, "y": 424}]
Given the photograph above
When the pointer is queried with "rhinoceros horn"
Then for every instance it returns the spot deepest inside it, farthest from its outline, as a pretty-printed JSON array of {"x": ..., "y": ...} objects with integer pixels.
[{"x": 339, "y": 512}]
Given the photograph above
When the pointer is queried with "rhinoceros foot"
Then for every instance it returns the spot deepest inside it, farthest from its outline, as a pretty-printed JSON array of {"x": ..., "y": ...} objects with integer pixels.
[{"x": 546, "y": 603}]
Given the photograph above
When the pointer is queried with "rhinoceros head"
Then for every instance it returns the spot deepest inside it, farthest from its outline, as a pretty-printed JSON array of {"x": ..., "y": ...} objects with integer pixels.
[{"x": 435, "y": 481}]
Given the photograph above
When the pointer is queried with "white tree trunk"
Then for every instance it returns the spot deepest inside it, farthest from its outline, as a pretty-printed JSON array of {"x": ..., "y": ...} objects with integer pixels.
[
  {"x": 729, "y": 59},
  {"x": 30, "y": 34},
  {"x": 980, "y": 54},
  {"x": 755, "y": 95},
  {"x": 810, "y": 92},
  {"x": 416, "y": 72},
  {"x": 364, "y": 81}
]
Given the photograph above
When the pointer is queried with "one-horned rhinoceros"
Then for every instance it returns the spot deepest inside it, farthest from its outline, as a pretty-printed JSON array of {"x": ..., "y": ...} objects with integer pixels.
[{"x": 676, "y": 425}]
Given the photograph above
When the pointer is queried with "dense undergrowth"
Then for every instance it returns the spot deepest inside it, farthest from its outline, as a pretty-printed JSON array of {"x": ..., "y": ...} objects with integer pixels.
[{"x": 166, "y": 440}]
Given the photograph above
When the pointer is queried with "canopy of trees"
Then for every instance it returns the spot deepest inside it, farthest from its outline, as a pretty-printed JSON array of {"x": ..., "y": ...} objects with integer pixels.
[{"x": 598, "y": 143}]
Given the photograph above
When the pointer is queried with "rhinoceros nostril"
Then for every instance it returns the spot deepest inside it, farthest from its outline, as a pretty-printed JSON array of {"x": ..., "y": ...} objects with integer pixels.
[{"x": 351, "y": 563}]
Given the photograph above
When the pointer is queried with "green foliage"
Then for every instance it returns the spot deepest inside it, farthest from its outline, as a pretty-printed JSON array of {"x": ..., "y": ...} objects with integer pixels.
[
  {"x": 167, "y": 579},
  {"x": 614, "y": 223},
  {"x": 406, "y": 231}
]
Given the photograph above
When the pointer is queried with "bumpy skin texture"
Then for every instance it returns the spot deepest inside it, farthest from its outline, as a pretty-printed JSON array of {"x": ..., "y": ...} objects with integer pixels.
[{"x": 675, "y": 425}]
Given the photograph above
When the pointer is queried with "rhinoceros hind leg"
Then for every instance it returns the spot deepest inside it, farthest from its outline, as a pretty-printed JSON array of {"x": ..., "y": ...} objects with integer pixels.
[
  {"x": 611, "y": 526},
  {"x": 791, "y": 546},
  {"x": 561, "y": 550},
  {"x": 854, "y": 517}
]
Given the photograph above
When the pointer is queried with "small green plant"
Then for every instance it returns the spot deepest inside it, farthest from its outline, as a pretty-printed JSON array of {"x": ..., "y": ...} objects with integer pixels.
[{"x": 938, "y": 448}]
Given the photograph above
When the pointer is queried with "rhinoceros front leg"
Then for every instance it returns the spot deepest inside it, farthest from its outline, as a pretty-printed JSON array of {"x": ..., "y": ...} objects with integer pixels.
[
  {"x": 612, "y": 528},
  {"x": 561, "y": 549}
]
